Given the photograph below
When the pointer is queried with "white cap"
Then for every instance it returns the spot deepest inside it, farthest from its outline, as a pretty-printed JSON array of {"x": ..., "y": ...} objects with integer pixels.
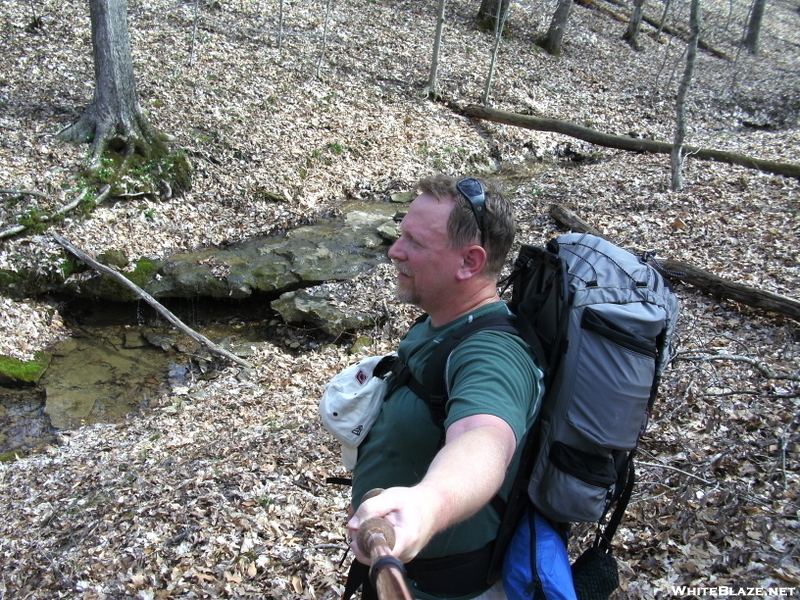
[{"x": 351, "y": 404}]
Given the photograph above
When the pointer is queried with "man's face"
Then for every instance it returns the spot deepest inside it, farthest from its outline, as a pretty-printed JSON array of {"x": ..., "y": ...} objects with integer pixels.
[{"x": 426, "y": 266}]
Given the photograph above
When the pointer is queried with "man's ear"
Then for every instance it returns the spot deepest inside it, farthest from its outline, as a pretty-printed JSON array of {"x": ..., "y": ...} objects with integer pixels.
[{"x": 473, "y": 258}]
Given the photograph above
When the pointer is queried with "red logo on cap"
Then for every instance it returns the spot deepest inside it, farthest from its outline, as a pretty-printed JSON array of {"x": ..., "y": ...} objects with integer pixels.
[{"x": 361, "y": 377}]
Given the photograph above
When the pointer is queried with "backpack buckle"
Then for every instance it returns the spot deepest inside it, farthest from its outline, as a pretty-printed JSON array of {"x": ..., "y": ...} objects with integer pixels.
[{"x": 392, "y": 365}]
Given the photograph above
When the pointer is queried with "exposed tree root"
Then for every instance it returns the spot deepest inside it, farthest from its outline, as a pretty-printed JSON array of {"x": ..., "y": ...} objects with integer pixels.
[
  {"x": 123, "y": 137},
  {"x": 126, "y": 135},
  {"x": 104, "y": 193},
  {"x": 123, "y": 143}
]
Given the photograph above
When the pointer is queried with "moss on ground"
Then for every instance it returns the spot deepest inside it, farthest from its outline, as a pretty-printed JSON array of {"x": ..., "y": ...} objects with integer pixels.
[
  {"x": 11, "y": 456},
  {"x": 24, "y": 371}
]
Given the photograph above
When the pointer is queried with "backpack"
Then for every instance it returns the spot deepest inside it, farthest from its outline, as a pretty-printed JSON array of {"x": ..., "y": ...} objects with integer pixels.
[{"x": 599, "y": 320}]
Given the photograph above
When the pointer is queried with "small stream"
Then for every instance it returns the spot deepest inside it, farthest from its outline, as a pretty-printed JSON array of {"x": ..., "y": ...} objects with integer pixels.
[
  {"x": 118, "y": 359},
  {"x": 122, "y": 355}
]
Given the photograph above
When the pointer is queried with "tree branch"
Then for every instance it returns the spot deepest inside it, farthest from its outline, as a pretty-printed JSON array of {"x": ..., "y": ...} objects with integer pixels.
[
  {"x": 660, "y": 466},
  {"x": 24, "y": 193},
  {"x": 167, "y": 314},
  {"x": 12, "y": 231},
  {"x": 755, "y": 363}
]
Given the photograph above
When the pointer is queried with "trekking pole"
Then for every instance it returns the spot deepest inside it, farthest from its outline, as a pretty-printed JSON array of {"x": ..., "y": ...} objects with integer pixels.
[{"x": 375, "y": 538}]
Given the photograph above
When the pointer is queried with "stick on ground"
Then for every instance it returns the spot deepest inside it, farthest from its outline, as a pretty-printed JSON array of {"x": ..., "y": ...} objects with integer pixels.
[{"x": 164, "y": 312}]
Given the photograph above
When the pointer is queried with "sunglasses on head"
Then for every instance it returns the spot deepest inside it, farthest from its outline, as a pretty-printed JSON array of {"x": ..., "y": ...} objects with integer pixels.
[{"x": 472, "y": 190}]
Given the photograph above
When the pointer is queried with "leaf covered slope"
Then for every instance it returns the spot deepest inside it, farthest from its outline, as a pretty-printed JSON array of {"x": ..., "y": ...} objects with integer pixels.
[{"x": 218, "y": 489}]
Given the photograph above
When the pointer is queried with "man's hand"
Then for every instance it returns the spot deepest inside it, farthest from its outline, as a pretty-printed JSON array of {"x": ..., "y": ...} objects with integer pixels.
[
  {"x": 409, "y": 510},
  {"x": 463, "y": 477}
]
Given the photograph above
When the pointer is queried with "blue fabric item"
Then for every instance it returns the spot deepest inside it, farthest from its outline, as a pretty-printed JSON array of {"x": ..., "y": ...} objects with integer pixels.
[{"x": 536, "y": 564}]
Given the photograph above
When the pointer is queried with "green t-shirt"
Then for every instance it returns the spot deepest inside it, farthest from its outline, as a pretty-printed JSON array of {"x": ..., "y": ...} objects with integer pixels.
[{"x": 491, "y": 372}]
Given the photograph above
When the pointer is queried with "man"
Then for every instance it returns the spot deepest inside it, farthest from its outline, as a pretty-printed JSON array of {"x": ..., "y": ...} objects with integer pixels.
[{"x": 453, "y": 245}]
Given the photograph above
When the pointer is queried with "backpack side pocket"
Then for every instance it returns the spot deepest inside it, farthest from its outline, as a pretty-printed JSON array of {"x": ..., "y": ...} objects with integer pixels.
[
  {"x": 573, "y": 485},
  {"x": 613, "y": 383}
]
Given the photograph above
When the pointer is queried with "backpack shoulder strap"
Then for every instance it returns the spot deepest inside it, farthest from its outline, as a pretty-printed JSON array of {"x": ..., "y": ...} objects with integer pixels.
[{"x": 435, "y": 387}]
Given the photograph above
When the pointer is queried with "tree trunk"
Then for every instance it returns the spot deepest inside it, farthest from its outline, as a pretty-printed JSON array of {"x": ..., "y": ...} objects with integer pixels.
[
  {"x": 498, "y": 36},
  {"x": 492, "y": 14},
  {"x": 432, "y": 91},
  {"x": 280, "y": 26},
  {"x": 114, "y": 120},
  {"x": 754, "y": 26},
  {"x": 555, "y": 34},
  {"x": 676, "y": 31},
  {"x": 324, "y": 38},
  {"x": 632, "y": 34},
  {"x": 676, "y": 156},
  {"x": 663, "y": 21}
]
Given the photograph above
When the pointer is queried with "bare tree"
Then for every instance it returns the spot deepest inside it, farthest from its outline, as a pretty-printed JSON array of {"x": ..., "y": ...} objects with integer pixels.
[
  {"x": 280, "y": 26},
  {"x": 663, "y": 21},
  {"x": 324, "y": 38},
  {"x": 194, "y": 31},
  {"x": 676, "y": 157},
  {"x": 754, "y": 25},
  {"x": 36, "y": 21},
  {"x": 498, "y": 36},
  {"x": 632, "y": 33},
  {"x": 551, "y": 42},
  {"x": 432, "y": 89},
  {"x": 114, "y": 120}
]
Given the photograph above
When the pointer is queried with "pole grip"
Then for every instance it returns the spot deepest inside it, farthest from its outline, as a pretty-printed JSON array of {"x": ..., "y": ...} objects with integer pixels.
[{"x": 376, "y": 538}]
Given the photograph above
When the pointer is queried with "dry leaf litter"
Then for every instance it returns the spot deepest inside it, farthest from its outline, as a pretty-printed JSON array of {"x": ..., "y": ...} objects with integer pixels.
[{"x": 218, "y": 490}]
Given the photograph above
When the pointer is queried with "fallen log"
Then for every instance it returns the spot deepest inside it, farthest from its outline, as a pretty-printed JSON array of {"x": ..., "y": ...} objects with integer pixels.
[
  {"x": 162, "y": 310},
  {"x": 701, "y": 279},
  {"x": 592, "y": 5},
  {"x": 570, "y": 220},
  {"x": 676, "y": 32},
  {"x": 622, "y": 142}
]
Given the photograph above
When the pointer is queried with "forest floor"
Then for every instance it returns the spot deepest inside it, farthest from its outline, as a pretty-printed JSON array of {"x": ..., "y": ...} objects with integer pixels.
[{"x": 218, "y": 489}]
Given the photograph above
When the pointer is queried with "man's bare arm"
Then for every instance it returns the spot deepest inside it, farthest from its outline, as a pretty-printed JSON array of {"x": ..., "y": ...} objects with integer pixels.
[{"x": 464, "y": 476}]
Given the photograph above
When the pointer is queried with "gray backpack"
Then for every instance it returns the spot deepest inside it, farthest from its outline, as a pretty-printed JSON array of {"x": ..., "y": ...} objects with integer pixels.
[{"x": 600, "y": 319}]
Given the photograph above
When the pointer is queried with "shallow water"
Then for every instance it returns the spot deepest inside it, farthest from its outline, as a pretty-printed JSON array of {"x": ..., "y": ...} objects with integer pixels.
[{"x": 119, "y": 358}]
